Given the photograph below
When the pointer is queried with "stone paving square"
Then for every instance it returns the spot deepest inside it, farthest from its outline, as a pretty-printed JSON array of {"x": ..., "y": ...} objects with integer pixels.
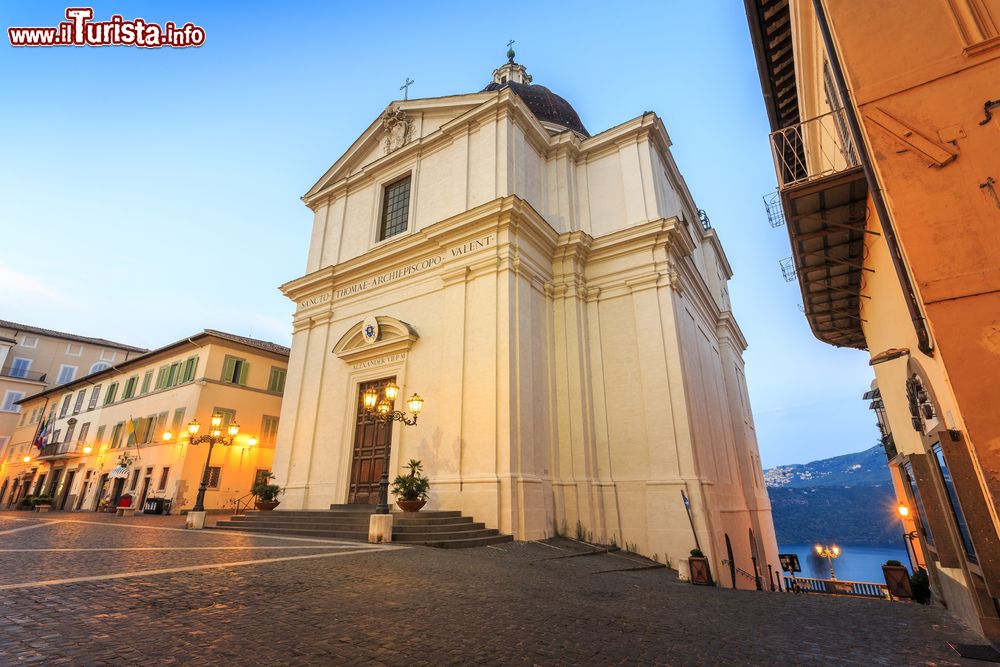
[{"x": 353, "y": 603}]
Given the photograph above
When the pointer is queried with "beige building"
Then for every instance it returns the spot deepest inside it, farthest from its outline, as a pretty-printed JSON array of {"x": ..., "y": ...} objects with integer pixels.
[
  {"x": 73, "y": 437},
  {"x": 561, "y": 305},
  {"x": 32, "y": 359}
]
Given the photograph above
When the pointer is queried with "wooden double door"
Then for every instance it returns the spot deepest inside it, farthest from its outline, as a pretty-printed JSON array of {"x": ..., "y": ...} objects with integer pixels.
[{"x": 372, "y": 445}]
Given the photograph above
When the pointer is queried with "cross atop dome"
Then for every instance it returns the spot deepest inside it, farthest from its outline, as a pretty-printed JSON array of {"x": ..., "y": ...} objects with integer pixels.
[{"x": 511, "y": 72}]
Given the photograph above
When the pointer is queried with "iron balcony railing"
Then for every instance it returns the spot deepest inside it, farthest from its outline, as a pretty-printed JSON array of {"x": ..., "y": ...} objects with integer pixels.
[
  {"x": 813, "y": 149},
  {"x": 57, "y": 448},
  {"x": 23, "y": 374}
]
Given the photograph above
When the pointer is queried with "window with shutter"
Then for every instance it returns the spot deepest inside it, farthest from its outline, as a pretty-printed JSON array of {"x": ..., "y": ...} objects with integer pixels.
[
  {"x": 80, "y": 397},
  {"x": 94, "y": 395},
  {"x": 129, "y": 390},
  {"x": 161, "y": 377},
  {"x": 147, "y": 382},
  {"x": 234, "y": 370},
  {"x": 109, "y": 396},
  {"x": 211, "y": 477},
  {"x": 190, "y": 367},
  {"x": 276, "y": 382},
  {"x": 178, "y": 421},
  {"x": 65, "y": 405}
]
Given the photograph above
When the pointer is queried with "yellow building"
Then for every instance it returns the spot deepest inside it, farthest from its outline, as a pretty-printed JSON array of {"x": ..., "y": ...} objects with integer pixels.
[
  {"x": 75, "y": 436},
  {"x": 33, "y": 358},
  {"x": 885, "y": 141}
]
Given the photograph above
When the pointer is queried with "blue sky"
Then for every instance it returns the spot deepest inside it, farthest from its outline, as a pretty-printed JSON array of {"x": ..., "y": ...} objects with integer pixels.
[{"x": 147, "y": 194}]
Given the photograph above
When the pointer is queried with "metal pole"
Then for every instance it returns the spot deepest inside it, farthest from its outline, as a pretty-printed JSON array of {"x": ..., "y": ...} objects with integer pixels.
[
  {"x": 383, "y": 485},
  {"x": 908, "y": 545},
  {"x": 833, "y": 575},
  {"x": 199, "y": 504}
]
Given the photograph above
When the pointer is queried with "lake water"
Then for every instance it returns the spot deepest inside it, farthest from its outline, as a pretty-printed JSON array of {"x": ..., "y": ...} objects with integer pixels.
[{"x": 856, "y": 562}]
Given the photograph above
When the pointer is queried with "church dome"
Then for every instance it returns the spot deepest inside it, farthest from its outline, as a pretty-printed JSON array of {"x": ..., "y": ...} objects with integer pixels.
[{"x": 546, "y": 105}]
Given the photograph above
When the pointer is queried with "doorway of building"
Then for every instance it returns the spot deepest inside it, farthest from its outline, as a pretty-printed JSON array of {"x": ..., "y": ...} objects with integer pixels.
[
  {"x": 372, "y": 443},
  {"x": 67, "y": 484},
  {"x": 116, "y": 491},
  {"x": 102, "y": 487}
]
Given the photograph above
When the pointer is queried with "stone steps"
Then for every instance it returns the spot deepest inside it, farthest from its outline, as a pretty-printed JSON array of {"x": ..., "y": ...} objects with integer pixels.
[{"x": 444, "y": 529}]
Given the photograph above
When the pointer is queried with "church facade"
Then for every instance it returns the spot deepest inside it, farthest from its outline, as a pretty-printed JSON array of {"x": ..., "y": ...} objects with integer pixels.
[{"x": 557, "y": 302}]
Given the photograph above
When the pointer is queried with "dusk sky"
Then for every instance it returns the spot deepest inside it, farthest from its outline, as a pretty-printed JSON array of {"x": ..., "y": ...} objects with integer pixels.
[{"x": 148, "y": 194}]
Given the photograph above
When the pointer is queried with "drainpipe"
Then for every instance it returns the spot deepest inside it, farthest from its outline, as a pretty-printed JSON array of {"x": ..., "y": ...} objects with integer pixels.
[{"x": 909, "y": 295}]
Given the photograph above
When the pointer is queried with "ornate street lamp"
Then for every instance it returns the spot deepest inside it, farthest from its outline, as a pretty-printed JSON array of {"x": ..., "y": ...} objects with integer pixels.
[
  {"x": 829, "y": 553},
  {"x": 909, "y": 536},
  {"x": 381, "y": 411},
  {"x": 215, "y": 436}
]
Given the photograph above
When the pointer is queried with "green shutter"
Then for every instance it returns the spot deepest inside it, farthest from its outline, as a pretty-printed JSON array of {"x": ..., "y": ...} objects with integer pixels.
[
  {"x": 229, "y": 369},
  {"x": 147, "y": 380},
  {"x": 244, "y": 367},
  {"x": 161, "y": 378}
]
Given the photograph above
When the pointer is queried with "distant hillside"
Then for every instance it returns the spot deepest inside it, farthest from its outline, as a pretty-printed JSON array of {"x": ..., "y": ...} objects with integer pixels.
[
  {"x": 858, "y": 469},
  {"x": 847, "y": 499}
]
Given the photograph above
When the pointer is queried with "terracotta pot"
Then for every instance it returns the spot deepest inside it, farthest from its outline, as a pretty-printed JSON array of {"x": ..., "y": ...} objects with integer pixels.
[
  {"x": 266, "y": 505},
  {"x": 700, "y": 572},
  {"x": 410, "y": 505}
]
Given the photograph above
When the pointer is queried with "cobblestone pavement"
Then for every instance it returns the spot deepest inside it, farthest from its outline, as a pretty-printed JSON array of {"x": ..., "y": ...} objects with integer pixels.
[{"x": 309, "y": 602}]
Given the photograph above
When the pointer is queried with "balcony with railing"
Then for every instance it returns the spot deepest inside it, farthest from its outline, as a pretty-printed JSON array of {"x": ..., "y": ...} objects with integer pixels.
[
  {"x": 22, "y": 374},
  {"x": 60, "y": 450},
  {"x": 823, "y": 200},
  {"x": 814, "y": 149}
]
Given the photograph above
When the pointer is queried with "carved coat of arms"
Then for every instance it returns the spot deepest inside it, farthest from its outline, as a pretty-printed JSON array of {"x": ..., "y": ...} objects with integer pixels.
[{"x": 398, "y": 128}]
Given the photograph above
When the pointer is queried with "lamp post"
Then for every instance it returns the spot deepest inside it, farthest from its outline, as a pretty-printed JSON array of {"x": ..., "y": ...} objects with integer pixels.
[
  {"x": 215, "y": 436},
  {"x": 829, "y": 553},
  {"x": 908, "y": 536},
  {"x": 380, "y": 410}
]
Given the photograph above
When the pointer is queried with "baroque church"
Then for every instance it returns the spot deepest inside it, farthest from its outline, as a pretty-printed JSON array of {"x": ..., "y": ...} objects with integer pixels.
[{"x": 560, "y": 305}]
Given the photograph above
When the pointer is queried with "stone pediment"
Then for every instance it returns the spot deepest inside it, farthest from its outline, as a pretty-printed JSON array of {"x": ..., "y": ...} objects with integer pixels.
[
  {"x": 375, "y": 336},
  {"x": 399, "y": 125}
]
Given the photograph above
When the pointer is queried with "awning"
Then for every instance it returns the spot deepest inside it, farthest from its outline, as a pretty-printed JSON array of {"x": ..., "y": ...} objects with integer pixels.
[{"x": 120, "y": 472}]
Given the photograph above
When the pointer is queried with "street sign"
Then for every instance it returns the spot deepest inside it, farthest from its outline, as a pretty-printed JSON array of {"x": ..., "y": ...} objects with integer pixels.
[{"x": 790, "y": 562}]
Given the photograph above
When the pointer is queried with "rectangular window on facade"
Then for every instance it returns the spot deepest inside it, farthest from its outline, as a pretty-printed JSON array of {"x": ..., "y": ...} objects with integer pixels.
[
  {"x": 234, "y": 370},
  {"x": 100, "y": 435},
  {"x": 147, "y": 382},
  {"x": 395, "y": 208},
  {"x": 19, "y": 367},
  {"x": 29, "y": 341},
  {"x": 9, "y": 398},
  {"x": 65, "y": 405},
  {"x": 80, "y": 398},
  {"x": 159, "y": 426},
  {"x": 108, "y": 355},
  {"x": 228, "y": 416},
  {"x": 135, "y": 480},
  {"x": 55, "y": 436},
  {"x": 128, "y": 391},
  {"x": 178, "y": 422},
  {"x": 173, "y": 373},
  {"x": 211, "y": 477},
  {"x": 276, "y": 382},
  {"x": 66, "y": 374},
  {"x": 95, "y": 393},
  {"x": 74, "y": 350},
  {"x": 268, "y": 430},
  {"x": 164, "y": 475},
  {"x": 188, "y": 371},
  {"x": 956, "y": 506},
  {"x": 261, "y": 476},
  {"x": 24, "y": 417},
  {"x": 111, "y": 393},
  {"x": 116, "y": 435},
  {"x": 161, "y": 377},
  {"x": 83, "y": 432},
  {"x": 69, "y": 432}
]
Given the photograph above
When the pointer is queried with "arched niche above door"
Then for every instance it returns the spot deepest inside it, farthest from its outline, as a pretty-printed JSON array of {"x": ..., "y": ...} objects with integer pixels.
[{"x": 387, "y": 336}]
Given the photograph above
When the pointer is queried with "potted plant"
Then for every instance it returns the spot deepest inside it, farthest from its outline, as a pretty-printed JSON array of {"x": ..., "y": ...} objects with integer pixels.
[
  {"x": 897, "y": 579},
  {"x": 411, "y": 488},
  {"x": 41, "y": 503},
  {"x": 266, "y": 494},
  {"x": 701, "y": 574}
]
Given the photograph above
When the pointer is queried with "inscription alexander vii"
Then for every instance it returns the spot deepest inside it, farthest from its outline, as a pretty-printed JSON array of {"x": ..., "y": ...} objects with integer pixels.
[{"x": 416, "y": 267}]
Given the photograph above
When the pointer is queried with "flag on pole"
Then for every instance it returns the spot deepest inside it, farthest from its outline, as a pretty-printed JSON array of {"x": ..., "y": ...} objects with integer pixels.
[{"x": 43, "y": 432}]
